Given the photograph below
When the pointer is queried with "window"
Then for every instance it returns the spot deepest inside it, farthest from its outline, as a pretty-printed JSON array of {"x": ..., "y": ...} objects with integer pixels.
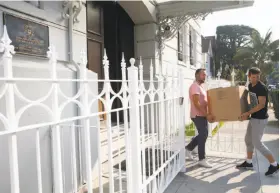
[
  {"x": 191, "y": 46},
  {"x": 180, "y": 44},
  {"x": 35, "y": 3}
]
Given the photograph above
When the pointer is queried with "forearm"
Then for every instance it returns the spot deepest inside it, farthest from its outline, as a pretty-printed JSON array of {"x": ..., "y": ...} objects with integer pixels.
[{"x": 256, "y": 109}]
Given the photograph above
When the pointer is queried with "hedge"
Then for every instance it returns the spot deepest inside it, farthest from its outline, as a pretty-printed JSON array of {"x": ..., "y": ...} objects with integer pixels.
[
  {"x": 190, "y": 130},
  {"x": 275, "y": 100}
]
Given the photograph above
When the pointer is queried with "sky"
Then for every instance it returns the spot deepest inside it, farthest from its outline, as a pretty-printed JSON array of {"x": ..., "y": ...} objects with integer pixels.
[{"x": 263, "y": 15}]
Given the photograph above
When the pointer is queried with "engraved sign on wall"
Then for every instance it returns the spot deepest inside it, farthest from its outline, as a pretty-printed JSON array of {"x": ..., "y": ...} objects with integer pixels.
[{"x": 27, "y": 37}]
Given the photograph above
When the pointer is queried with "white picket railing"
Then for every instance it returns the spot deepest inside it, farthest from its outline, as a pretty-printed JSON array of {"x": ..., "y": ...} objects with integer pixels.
[{"x": 141, "y": 153}]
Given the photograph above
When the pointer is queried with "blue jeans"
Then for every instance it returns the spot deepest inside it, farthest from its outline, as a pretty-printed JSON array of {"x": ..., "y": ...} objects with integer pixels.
[{"x": 201, "y": 125}]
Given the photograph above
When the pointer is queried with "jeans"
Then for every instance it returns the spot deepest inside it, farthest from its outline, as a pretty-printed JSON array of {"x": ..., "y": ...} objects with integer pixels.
[{"x": 201, "y": 125}]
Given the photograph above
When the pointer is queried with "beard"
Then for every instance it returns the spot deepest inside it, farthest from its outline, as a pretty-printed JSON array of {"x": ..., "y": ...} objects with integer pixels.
[{"x": 201, "y": 81}]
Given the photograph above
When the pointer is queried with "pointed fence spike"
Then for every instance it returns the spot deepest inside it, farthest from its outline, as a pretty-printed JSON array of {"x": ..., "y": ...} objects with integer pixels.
[
  {"x": 52, "y": 55},
  {"x": 5, "y": 44},
  {"x": 123, "y": 64}
]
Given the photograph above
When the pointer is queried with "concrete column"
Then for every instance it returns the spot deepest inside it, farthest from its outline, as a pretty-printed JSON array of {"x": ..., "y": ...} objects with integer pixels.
[{"x": 146, "y": 46}]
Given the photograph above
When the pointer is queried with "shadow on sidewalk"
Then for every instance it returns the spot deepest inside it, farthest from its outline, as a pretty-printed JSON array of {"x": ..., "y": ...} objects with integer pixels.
[
  {"x": 222, "y": 178},
  {"x": 269, "y": 184}
]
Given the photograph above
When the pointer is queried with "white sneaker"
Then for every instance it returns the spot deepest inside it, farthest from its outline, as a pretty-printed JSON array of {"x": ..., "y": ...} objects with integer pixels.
[
  {"x": 204, "y": 163},
  {"x": 189, "y": 155}
]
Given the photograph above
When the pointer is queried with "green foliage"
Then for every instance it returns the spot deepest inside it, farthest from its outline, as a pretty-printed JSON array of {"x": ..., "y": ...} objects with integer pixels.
[
  {"x": 275, "y": 100},
  {"x": 229, "y": 39},
  {"x": 275, "y": 75},
  {"x": 275, "y": 56},
  {"x": 190, "y": 130},
  {"x": 260, "y": 52}
]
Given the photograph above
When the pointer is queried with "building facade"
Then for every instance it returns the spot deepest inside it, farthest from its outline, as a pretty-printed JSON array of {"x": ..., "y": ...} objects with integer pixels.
[
  {"x": 135, "y": 28},
  {"x": 208, "y": 54}
]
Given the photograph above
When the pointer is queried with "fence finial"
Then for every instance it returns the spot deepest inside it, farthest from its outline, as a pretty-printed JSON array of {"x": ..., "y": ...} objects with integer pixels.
[
  {"x": 151, "y": 65},
  {"x": 140, "y": 64},
  {"x": 151, "y": 70},
  {"x": 106, "y": 65},
  {"x": 247, "y": 78},
  {"x": 132, "y": 62},
  {"x": 233, "y": 76},
  {"x": 219, "y": 75},
  {"x": 105, "y": 59},
  {"x": 5, "y": 44},
  {"x": 123, "y": 64},
  {"x": 52, "y": 55},
  {"x": 83, "y": 58}
]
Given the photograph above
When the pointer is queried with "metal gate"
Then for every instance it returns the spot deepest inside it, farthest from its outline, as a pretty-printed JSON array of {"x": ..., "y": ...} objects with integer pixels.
[{"x": 141, "y": 152}]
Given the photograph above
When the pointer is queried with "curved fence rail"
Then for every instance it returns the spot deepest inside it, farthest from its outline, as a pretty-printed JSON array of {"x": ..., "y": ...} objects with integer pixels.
[{"x": 61, "y": 139}]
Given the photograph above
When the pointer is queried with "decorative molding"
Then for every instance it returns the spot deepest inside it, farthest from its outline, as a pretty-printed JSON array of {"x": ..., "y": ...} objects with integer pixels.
[
  {"x": 169, "y": 26},
  {"x": 76, "y": 6}
]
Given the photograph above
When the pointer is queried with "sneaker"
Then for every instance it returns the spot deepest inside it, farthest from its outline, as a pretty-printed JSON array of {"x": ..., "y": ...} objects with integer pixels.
[
  {"x": 245, "y": 165},
  {"x": 204, "y": 163},
  {"x": 189, "y": 155},
  {"x": 272, "y": 170}
]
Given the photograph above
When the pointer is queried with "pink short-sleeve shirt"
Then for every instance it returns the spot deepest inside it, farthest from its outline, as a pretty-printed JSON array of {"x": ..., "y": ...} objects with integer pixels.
[{"x": 195, "y": 88}]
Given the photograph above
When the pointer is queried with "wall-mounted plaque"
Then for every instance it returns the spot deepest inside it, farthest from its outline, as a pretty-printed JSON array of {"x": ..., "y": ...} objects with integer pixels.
[{"x": 27, "y": 37}]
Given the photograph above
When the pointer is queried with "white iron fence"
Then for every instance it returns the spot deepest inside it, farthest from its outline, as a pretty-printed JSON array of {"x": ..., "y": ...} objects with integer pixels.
[{"x": 74, "y": 150}]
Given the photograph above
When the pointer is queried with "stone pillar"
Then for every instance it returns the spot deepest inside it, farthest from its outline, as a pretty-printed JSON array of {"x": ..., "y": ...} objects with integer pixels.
[{"x": 146, "y": 47}]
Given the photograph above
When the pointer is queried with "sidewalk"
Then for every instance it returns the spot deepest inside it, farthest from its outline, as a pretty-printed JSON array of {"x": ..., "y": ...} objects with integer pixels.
[{"x": 225, "y": 178}]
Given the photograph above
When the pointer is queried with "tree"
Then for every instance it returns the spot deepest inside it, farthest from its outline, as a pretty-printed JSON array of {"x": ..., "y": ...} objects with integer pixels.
[
  {"x": 273, "y": 77},
  {"x": 229, "y": 39},
  {"x": 275, "y": 56},
  {"x": 259, "y": 52}
]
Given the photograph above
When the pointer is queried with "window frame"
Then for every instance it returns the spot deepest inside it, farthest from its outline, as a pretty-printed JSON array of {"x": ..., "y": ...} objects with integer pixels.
[
  {"x": 190, "y": 46},
  {"x": 39, "y": 6},
  {"x": 180, "y": 45}
]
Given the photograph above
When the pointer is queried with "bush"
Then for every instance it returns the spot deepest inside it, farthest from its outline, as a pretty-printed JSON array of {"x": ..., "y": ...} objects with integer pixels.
[
  {"x": 190, "y": 130},
  {"x": 275, "y": 101}
]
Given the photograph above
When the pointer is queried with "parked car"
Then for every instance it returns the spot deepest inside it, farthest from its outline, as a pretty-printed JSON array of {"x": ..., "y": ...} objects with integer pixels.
[{"x": 271, "y": 87}]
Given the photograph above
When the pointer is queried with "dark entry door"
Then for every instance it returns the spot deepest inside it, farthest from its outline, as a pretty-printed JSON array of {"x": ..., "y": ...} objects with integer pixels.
[
  {"x": 95, "y": 42},
  {"x": 119, "y": 37},
  {"x": 95, "y": 37},
  {"x": 110, "y": 28}
]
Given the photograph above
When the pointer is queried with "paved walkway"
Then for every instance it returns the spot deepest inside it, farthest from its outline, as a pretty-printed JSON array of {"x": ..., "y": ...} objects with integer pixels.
[{"x": 225, "y": 178}]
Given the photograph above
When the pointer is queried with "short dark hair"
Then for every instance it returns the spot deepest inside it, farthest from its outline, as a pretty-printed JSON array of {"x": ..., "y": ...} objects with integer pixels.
[
  {"x": 254, "y": 71},
  {"x": 199, "y": 70}
]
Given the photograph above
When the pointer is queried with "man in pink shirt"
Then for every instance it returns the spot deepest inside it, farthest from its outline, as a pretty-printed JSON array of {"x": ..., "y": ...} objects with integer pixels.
[{"x": 200, "y": 117}]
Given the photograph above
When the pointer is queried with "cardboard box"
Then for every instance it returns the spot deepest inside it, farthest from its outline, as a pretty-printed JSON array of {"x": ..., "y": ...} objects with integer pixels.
[{"x": 227, "y": 104}]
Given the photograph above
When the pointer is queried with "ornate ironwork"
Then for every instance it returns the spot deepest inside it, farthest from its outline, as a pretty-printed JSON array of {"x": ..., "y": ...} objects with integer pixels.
[{"x": 168, "y": 26}]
